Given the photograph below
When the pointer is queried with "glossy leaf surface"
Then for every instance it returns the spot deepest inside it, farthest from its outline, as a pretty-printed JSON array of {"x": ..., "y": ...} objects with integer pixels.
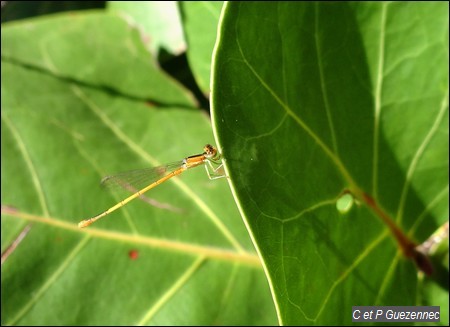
[
  {"x": 81, "y": 99},
  {"x": 315, "y": 100}
]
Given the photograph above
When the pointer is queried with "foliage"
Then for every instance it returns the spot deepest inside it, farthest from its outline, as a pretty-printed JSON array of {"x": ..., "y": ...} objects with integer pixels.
[{"x": 313, "y": 104}]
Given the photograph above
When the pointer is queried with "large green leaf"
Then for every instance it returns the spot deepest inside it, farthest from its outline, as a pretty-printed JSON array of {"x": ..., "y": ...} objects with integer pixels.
[
  {"x": 50, "y": 46},
  {"x": 81, "y": 98},
  {"x": 158, "y": 21},
  {"x": 200, "y": 23},
  {"x": 315, "y": 100}
]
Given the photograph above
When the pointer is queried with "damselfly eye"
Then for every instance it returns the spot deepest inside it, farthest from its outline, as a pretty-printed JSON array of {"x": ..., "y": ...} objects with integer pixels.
[{"x": 210, "y": 151}]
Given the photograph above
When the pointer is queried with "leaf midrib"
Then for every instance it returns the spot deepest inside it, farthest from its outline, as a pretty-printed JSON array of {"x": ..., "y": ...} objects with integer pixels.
[{"x": 245, "y": 258}]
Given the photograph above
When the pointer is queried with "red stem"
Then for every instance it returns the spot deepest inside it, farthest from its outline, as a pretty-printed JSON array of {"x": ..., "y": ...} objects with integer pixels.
[{"x": 408, "y": 247}]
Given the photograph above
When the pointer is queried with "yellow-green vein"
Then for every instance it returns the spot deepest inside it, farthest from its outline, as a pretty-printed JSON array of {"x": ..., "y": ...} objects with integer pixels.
[
  {"x": 418, "y": 155},
  {"x": 322, "y": 78},
  {"x": 225, "y": 299},
  {"x": 26, "y": 156},
  {"x": 336, "y": 160},
  {"x": 181, "y": 247},
  {"x": 171, "y": 291},
  {"x": 387, "y": 278},
  {"x": 352, "y": 267},
  {"x": 41, "y": 291},
  {"x": 378, "y": 95},
  {"x": 439, "y": 197}
]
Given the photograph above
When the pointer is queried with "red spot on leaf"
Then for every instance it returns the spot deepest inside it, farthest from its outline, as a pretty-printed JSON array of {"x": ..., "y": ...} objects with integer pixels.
[{"x": 133, "y": 254}]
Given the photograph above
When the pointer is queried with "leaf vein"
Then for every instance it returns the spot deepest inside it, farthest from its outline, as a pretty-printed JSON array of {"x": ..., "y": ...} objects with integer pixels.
[
  {"x": 418, "y": 155},
  {"x": 182, "y": 247},
  {"x": 184, "y": 278},
  {"x": 336, "y": 160},
  {"x": 46, "y": 286},
  {"x": 323, "y": 87},
  {"x": 352, "y": 267},
  {"x": 378, "y": 96},
  {"x": 31, "y": 167}
]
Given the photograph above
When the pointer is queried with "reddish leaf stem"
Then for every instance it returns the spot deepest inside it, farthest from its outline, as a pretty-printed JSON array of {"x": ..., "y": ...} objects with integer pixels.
[
  {"x": 408, "y": 247},
  {"x": 10, "y": 249}
]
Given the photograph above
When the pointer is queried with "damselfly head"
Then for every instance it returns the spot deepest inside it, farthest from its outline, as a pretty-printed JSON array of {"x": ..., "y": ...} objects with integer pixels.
[{"x": 210, "y": 152}]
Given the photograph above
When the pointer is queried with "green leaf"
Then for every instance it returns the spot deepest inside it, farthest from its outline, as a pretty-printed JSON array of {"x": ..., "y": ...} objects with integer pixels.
[
  {"x": 115, "y": 49},
  {"x": 74, "y": 108},
  {"x": 200, "y": 24},
  {"x": 315, "y": 100},
  {"x": 158, "y": 21}
]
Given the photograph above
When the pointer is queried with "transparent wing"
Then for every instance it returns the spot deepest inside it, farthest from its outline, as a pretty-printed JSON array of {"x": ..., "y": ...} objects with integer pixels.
[
  {"x": 135, "y": 180},
  {"x": 130, "y": 182}
]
